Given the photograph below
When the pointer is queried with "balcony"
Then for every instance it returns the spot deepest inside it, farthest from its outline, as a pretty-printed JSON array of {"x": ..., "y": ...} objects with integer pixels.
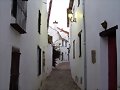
[
  {"x": 21, "y": 17},
  {"x": 18, "y": 28}
]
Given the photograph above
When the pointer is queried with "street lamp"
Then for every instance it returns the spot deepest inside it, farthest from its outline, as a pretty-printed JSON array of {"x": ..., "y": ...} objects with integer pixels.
[
  {"x": 104, "y": 24},
  {"x": 70, "y": 16}
]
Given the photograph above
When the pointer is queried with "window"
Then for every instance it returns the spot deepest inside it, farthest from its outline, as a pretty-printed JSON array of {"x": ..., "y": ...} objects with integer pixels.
[
  {"x": 62, "y": 42},
  {"x": 50, "y": 39},
  {"x": 39, "y": 21},
  {"x": 78, "y": 3},
  {"x": 79, "y": 35},
  {"x": 65, "y": 43},
  {"x": 62, "y": 56},
  {"x": 39, "y": 60},
  {"x": 19, "y": 12},
  {"x": 43, "y": 62},
  {"x": 74, "y": 49},
  {"x": 14, "y": 8}
]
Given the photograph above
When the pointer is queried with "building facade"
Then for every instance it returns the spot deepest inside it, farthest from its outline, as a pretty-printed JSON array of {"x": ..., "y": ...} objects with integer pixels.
[
  {"x": 76, "y": 42},
  {"x": 99, "y": 27},
  {"x": 60, "y": 43},
  {"x": 24, "y": 46},
  {"x": 105, "y": 70}
]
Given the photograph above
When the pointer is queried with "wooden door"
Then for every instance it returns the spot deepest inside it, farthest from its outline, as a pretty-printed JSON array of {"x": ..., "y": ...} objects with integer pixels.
[
  {"x": 14, "y": 77},
  {"x": 112, "y": 60}
]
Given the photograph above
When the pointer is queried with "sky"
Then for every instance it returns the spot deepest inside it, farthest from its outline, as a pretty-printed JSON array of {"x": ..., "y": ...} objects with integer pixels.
[{"x": 59, "y": 13}]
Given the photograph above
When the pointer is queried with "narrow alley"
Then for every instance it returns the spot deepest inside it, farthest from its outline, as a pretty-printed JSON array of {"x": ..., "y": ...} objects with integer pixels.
[
  {"x": 59, "y": 44},
  {"x": 60, "y": 79}
]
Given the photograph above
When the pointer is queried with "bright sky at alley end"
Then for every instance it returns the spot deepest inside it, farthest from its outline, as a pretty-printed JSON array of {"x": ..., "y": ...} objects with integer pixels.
[{"x": 59, "y": 13}]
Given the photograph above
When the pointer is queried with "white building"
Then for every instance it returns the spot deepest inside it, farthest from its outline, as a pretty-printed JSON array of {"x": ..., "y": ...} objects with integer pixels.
[
  {"x": 100, "y": 61},
  {"x": 24, "y": 45},
  {"x": 76, "y": 43},
  {"x": 64, "y": 45},
  {"x": 60, "y": 41},
  {"x": 106, "y": 66}
]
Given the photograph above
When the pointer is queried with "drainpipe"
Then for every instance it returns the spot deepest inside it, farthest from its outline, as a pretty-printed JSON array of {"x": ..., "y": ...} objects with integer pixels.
[{"x": 85, "y": 60}]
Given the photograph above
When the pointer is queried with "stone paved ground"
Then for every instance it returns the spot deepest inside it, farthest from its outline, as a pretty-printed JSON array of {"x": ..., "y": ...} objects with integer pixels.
[{"x": 60, "y": 79}]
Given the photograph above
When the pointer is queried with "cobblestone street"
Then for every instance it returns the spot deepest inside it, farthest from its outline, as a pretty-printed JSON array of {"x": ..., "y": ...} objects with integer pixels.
[{"x": 60, "y": 79}]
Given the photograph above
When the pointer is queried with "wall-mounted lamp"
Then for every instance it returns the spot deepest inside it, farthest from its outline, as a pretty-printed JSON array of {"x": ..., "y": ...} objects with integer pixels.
[
  {"x": 70, "y": 16},
  {"x": 104, "y": 24}
]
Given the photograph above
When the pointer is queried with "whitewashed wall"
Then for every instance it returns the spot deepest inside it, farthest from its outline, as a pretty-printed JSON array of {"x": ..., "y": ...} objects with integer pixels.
[
  {"x": 48, "y": 62},
  {"x": 95, "y": 13},
  {"x": 65, "y": 53},
  {"x": 28, "y": 79},
  {"x": 54, "y": 33},
  {"x": 77, "y": 64}
]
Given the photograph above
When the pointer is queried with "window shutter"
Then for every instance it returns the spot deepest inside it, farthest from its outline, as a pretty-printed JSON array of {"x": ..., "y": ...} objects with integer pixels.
[{"x": 21, "y": 14}]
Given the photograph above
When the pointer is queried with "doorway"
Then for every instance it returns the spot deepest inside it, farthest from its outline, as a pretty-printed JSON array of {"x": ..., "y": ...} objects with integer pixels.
[
  {"x": 112, "y": 56},
  {"x": 112, "y": 63},
  {"x": 14, "y": 74}
]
